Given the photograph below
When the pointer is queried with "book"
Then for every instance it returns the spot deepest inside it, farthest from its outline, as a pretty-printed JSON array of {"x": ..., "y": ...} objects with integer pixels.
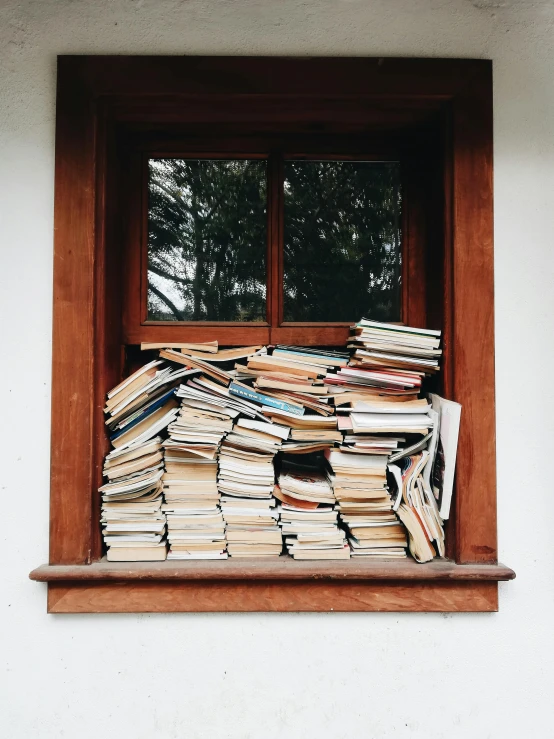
[
  {"x": 242, "y": 391},
  {"x": 313, "y": 356},
  {"x": 293, "y": 387},
  {"x": 225, "y": 355},
  {"x": 420, "y": 546},
  {"x": 148, "y": 369},
  {"x": 197, "y": 363},
  {"x": 396, "y": 328},
  {"x": 391, "y": 422},
  {"x": 149, "y": 426},
  {"x": 448, "y": 416},
  {"x": 276, "y": 364},
  {"x": 273, "y": 429},
  {"x": 157, "y": 553}
]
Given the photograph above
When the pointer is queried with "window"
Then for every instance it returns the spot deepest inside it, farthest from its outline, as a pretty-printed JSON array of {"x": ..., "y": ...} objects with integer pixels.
[
  {"x": 413, "y": 139},
  {"x": 207, "y": 235},
  {"x": 278, "y": 238},
  {"x": 342, "y": 244}
]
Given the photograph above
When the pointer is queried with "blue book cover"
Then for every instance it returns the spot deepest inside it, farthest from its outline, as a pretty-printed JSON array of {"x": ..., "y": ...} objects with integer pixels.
[
  {"x": 250, "y": 394},
  {"x": 146, "y": 411}
]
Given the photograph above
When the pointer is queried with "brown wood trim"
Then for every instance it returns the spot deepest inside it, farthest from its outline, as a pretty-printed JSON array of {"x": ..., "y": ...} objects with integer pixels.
[
  {"x": 95, "y": 91},
  {"x": 231, "y": 336},
  {"x": 283, "y": 568},
  {"x": 55, "y": 593},
  {"x": 279, "y": 258},
  {"x": 136, "y": 267},
  {"x": 415, "y": 241},
  {"x": 72, "y": 426},
  {"x": 107, "y": 373},
  {"x": 321, "y": 335},
  {"x": 440, "y": 270},
  {"x": 294, "y": 140},
  {"x": 141, "y": 246},
  {"x": 388, "y": 78},
  {"x": 269, "y": 596},
  {"x": 220, "y": 325},
  {"x": 273, "y": 228},
  {"x": 319, "y": 324},
  {"x": 131, "y": 202},
  {"x": 471, "y": 342}
]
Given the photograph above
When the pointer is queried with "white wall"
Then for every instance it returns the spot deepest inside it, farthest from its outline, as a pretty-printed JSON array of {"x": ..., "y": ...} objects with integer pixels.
[{"x": 282, "y": 675}]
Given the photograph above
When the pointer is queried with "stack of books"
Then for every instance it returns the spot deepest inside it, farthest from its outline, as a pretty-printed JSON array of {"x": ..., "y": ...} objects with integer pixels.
[
  {"x": 352, "y": 442},
  {"x": 368, "y": 443},
  {"x": 384, "y": 421},
  {"x": 388, "y": 361},
  {"x": 364, "y": 383},
  {"x": 133, "y": 524},
  {"x": 195, "y": 533},
  {"x": 195, "y": 526},
  {"x": 359, "y": 483},
  {"x": 251, "y": 527},
  {"x": 246, "y": 480},
  {"x": 210, "y": 363},
  {"x": 388, "y": 347},
  {"x": 417, "y": 507},
  {"x": 295, "y": 375},
  {"x": 137, "y": 410},
  {"x": 308, "y": 433},
  {"x": 308, "y": 518},
  {"x": 381, "y": 417},
  {"x": 144, "y": 404},
  {"x": 424, "y": 477}
]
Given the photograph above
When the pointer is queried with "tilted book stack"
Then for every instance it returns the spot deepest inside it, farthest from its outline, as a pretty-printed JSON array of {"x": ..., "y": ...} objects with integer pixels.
[{"x": 137, "y": 410}]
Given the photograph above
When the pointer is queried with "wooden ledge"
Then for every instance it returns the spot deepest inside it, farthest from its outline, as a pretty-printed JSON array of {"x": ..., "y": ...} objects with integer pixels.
[{"x": 284, "y": 568}]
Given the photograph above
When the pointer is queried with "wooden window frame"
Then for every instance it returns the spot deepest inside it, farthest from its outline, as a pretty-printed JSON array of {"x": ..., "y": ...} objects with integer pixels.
[
  {"x": 100, "y": 96},
  {"x": 274, "y": 147}
]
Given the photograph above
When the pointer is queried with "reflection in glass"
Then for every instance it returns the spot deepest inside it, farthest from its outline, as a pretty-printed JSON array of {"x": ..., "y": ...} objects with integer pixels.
[
  {"x": 207, "y": 240},
  {"x": 342, "y": 241}
]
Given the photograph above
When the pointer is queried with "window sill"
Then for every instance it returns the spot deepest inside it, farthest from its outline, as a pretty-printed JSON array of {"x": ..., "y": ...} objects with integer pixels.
[
  {"x": 283, "y": 568},
  {"x": 279, "y": 585}
]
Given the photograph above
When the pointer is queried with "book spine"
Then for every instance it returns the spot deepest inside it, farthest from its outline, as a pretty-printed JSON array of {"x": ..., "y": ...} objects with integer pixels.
[
  {"x": 242, "y": 392},
  {"x": 332, "y": 357}
]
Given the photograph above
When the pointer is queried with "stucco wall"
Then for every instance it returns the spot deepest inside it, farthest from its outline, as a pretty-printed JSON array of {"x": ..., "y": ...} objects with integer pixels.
[{"x": 288, "y": 676}]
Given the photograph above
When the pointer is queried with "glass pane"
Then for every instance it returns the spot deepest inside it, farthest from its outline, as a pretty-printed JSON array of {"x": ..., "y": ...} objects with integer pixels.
[
  {"x": 342, "y": 241},
  {"x": 207, "y": 240}
]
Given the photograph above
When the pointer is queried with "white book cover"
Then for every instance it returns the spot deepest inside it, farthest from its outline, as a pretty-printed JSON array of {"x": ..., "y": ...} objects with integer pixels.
[{"x": 445, "y": 460}]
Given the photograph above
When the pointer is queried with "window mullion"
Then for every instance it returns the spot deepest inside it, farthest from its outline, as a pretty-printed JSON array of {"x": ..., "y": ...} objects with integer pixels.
[{"x": 275, "y": 240}]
